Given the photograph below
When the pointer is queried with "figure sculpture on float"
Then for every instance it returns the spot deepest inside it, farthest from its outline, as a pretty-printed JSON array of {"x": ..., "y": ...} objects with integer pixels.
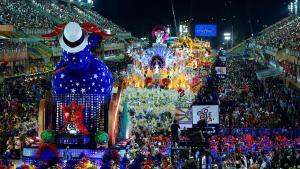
[
  {"x": 160, "y": 34},
  {"x": 78, "y": 71},
  {"x": 156, "y": 68},
  {"x": 80, "y": 77}
]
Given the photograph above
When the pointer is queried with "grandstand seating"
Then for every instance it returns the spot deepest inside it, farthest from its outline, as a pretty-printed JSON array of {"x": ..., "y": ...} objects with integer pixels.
[{"x": 284, "y": 35}]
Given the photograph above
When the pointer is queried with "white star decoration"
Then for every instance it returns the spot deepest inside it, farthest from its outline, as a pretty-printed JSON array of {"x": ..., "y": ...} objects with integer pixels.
[
  {"x": 73, "y": 58},
  {"x": 82, "y": 90},
  {"x": 93, "y": 84},
  {"x": 103, "y": 74},
  {"x": 73, "y": 90},
  {"x": 80, "y": 60},
  {"x": 62, "y": 76},
  {"x": 77, "y": 84},
  {"x": 83, "y": 80},
  {"x": 102, "y": 89},
  {"x": 60, "y": 85},
  {"x": 95, "y": 76}
]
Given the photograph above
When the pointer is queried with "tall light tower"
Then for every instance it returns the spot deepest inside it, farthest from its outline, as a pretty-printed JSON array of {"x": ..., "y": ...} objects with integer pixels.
[{"x": 227, "y": 38}]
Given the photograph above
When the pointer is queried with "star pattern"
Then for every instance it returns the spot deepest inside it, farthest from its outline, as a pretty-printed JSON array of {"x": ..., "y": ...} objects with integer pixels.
[{"x": 96, "y": 80}]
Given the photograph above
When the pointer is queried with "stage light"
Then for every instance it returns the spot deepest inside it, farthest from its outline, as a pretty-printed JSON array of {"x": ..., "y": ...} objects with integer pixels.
[{"x": 227, "y": 37}]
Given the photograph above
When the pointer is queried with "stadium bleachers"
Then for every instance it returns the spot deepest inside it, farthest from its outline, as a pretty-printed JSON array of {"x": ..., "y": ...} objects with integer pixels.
[{"x": 285, "y": 35}]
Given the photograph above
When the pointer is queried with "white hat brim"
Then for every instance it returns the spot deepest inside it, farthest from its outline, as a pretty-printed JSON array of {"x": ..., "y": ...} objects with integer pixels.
[{"x": 77, "y": 48}]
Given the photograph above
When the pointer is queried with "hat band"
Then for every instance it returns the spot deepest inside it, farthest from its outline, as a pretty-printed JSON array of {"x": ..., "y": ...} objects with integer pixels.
[{"x": 73, "y": 44}]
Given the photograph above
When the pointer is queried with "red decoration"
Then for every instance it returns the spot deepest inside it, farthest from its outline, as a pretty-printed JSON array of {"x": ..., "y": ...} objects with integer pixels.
[
  {"x": 25, "y": 166},
  {"x": 166, "y": 82},
  {"x": 94, "y": 29},
  {"x": 148, "y": 80},
  {"x": 181, "y": 92},
  {"x": 88, "y": 27},
  {"x": 4, "y": 63},
  {"x": 73, "y": 115},
  {"x": 115, "y": 156},
  {"x": 57, "y": 31}
]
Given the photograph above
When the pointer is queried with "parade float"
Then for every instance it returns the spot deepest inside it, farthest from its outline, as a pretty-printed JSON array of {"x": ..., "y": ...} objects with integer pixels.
[
  {"x": 77, "y": 116},
  {"x": 165, "y": 79}
]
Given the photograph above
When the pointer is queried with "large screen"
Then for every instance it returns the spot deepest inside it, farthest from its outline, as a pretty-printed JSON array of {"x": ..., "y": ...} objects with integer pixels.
[
  {"x": 221, "y": 70},
  {"x": 206, "y": 30},
  {"x": 209, "y": 112}
]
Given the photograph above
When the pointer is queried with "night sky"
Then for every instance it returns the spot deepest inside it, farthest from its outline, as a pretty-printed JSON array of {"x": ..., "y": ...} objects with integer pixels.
[{"x": 140, "y": 16}]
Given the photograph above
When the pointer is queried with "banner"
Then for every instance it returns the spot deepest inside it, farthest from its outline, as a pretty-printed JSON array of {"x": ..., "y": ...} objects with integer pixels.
[
  {"x": 6, "y": 28},
  {"x": 209, "y": 112},
  {"x": 184, "y": 117}
]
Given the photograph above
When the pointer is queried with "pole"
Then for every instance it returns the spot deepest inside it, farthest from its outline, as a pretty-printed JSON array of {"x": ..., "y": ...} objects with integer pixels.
[
  {"x": 231, "y": 36},
  {"x": 227, "y": 44},
  {"x": 174, "y": 18}
]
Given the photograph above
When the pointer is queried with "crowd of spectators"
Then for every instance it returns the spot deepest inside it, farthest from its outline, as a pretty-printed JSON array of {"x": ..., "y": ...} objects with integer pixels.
[
  {"x": 284, "y": 35},
  {"x": 23, "y": 15},
  {"x": 59, "y": 11},
  {"x": 18, "y": 113},
  {"x": 155, "y": 151},
  {"x": 118, "y": 69},
  {"x": 100, "y": 20},
  {"x": 246, "y": 151},
  {"x": 68, "y": 13},
  {"x": 8, "y": 46},
  {"x": 248, "y": 102}
]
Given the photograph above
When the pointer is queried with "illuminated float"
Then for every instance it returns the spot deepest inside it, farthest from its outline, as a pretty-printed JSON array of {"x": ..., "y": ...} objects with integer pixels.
[
  {"x": 77, "y": 114},
  {"x": 164, "y": 79}
]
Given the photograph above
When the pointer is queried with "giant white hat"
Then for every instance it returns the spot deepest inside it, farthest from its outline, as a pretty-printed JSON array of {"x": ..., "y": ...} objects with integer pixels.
[{"x": 74, "y": 39}]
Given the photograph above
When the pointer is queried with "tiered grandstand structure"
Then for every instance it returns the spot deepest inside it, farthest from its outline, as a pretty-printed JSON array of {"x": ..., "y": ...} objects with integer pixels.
[
  {"x": 22, "y": 22},
  {"x": 278, "y": 46}
]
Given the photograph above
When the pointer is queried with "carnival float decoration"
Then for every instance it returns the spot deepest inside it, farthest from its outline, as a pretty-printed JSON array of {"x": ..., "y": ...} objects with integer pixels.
[
  {"x": 73, "y": 119},
  {"x": 165, "y": 78},
  {"x": 81, "y": 88},
  {"x": 80, "y": 78},
  {"x": 174, "y": 67}
]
